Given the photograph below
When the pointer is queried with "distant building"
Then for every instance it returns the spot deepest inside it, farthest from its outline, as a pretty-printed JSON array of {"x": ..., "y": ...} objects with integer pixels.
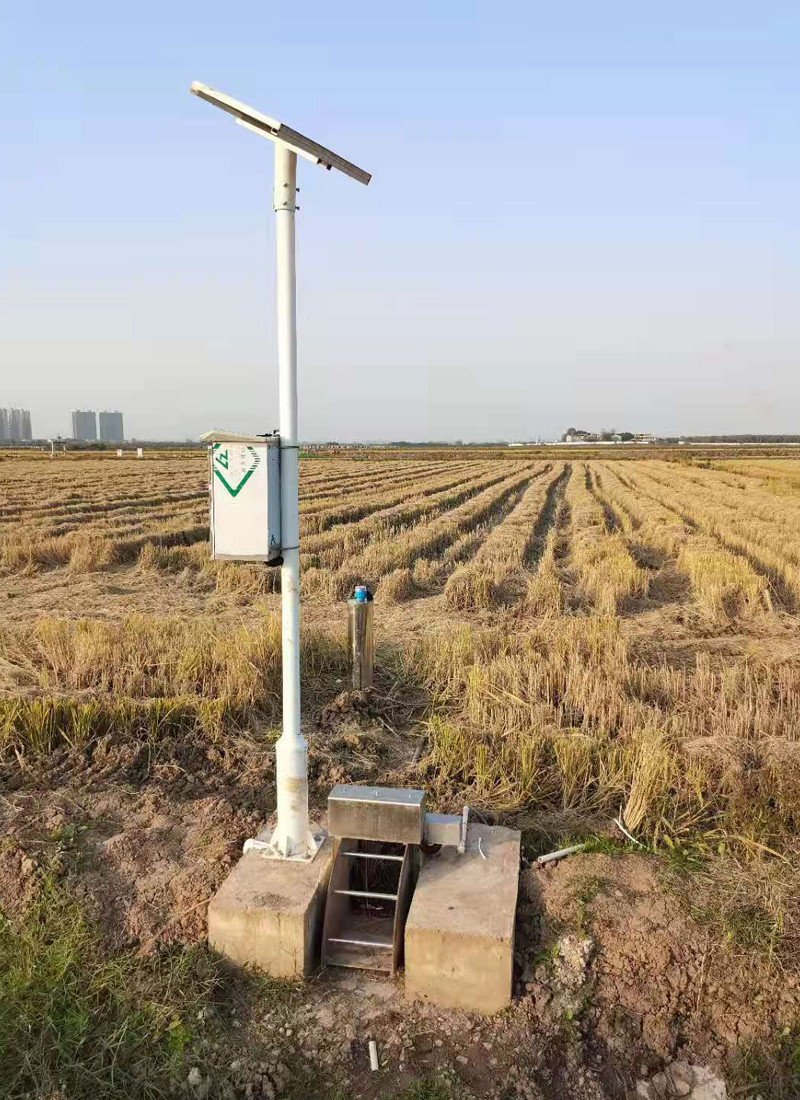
[
  {"x": 111, "y": 430},
  {"x": 84, "y": 425},
  {"x": 577, "y": 435},
  {"x": 15, "y": 425}
]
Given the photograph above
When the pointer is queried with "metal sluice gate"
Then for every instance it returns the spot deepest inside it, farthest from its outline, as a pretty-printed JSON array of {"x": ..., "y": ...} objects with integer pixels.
[{"x": 378, "y": 833}]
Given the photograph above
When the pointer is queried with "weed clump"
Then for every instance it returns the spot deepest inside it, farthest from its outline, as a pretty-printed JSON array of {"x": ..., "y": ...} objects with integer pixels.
[{"x": 75, "y": 1021}]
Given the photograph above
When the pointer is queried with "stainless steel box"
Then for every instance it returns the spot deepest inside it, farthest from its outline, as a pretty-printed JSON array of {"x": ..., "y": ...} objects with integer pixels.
[
  {"x": 443, "y": 829},
  {"x": 376, "y": 813}
]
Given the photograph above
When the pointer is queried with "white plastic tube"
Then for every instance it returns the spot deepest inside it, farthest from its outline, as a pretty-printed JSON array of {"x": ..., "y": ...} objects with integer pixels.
[{"x": 561, "y": 853}]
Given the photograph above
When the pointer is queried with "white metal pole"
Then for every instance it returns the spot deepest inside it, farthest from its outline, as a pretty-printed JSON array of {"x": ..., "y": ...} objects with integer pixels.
[{"x": 292, "y": 836}]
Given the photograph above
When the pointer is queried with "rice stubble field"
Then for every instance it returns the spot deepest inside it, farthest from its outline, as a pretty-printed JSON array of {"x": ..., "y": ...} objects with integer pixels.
[{"x": 561, "y": 641}]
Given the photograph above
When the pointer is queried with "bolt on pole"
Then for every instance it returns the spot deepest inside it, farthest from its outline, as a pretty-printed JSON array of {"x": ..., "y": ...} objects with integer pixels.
[{"x": 292, "y": 837}]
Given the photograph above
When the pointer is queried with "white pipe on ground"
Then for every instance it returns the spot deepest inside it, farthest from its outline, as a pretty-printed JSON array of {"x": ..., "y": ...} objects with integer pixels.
[{"x": 561, "y": 853}]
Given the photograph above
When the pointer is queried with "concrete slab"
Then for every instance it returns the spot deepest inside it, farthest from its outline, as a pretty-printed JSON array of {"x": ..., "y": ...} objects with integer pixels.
[
  {"x": 268, "y": 913},
  {"x": 459, "y": 942}
]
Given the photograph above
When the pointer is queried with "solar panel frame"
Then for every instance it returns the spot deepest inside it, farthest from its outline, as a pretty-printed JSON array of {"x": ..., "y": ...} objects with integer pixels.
[{"x": 278, "y": 131}]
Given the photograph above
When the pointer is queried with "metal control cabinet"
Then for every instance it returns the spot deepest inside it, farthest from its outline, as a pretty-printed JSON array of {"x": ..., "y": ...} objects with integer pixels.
[{"x": 245, "y": 492}]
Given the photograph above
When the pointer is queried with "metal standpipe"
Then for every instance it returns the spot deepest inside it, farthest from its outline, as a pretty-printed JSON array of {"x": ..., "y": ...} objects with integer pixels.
[
  {"x": 360, "y": 636},
  {"x": 292, "y": 838}
]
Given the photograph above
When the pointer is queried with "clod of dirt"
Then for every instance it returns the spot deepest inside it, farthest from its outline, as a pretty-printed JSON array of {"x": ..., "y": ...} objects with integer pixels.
[
  {"x": 265, "y": 1080},
  {"x": 27, "y": 867},
  {"x": 18, "y": 880},
  {"x": 349, "y": 706},
  {"x": 680, "y": 1079},
  {"x": 570, "y": 964},
  {"x": 557, "y": 982}
]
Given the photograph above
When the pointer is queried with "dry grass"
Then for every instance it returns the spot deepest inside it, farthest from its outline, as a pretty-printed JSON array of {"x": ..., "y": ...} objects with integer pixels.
[
  {"x": 397, "y": 586},
  {"x": 146, "y": 657},
  {"x": 607, "y": 574},
  {"x": 725, "y": 585},
  {"x": 564, "y": 704},
  {"x": 72, "y": 681},
  {"x": 567, "y": 716},
  {"x": 750, "y": 527},
  {"x": 489, "y": 576},
  {"x": 391, "y": 546},
  {"x": 577, "y": 641},
  {"x": 545, "y": 592}
]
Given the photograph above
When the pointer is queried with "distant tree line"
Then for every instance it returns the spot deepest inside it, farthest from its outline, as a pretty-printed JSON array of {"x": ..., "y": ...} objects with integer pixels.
[{"x": 732, "y": 439}]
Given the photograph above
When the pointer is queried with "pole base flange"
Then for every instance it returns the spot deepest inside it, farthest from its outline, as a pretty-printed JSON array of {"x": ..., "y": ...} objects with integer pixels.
[{"x": 268, "y": 849}]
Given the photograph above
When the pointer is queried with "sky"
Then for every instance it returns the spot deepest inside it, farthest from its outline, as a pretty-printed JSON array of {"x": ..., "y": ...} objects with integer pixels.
[{"x": 583, "y": 214}]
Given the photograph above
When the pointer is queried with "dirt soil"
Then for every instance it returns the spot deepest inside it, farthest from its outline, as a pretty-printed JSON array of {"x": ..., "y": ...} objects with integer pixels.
[
  {"x": 143, "y": 842},
  {"x": 613, "y": 980},
  {"x": 650, "y": 986}
]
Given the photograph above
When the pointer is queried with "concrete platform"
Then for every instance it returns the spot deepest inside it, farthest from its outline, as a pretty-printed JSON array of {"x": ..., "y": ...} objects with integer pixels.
[
  {"x": 459, "y": 942},
  {"x": 268, "y": 913}
]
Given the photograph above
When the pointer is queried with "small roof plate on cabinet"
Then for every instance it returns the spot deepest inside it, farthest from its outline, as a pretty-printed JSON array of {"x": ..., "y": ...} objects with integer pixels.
[{"x": 219, "y": 435}]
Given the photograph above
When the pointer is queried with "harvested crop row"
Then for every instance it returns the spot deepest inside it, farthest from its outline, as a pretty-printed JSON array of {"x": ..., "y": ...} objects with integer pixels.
[
  {"x": 404, "y": 487},
  {"x": 359, "y": 505},
  {"x": 428, "y": 575},
  {"x": 780, "y": 477},
  {"x": 638, "y": 515},
  {"x": 329, "y": 471},
  {"x": 108, "y": 524},
  {"x": 323, "y": 573},
  {"x": 320, "y": 553},
  {"x": 351, "y": 476},
  {"x": 424, "y": 578},
  {"x": 750, "y": 513},
  {"x": 38, "y": 487},
  {"x": 89, "y": 549},
  {"x": 566, "y": 717},
  {"x": 330, "y": 548},
  {"x": 84, "y": 511},
  {"x": 607, "y": 574},
  {"x": 118, "y": 527},
  {"x": 320, "y": 491},
  {"x": 147, "y": 678},
  {"x": 60, "y": 477},
  {"x": 488, "y": 578},
  {"x": 424, "y": 540},
  {"x": 724, "y": 584},
  {"x": 770, "y": 549}
]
